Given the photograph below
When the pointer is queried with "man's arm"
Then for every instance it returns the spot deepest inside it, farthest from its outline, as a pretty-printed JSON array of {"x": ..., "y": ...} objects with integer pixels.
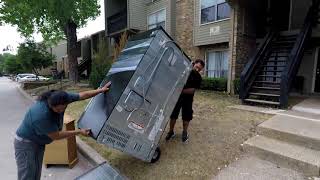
[
  {"x": 92, "y": 93},
  {"x": 65, "y": 134},
  {"x": 189, "y": 91}
]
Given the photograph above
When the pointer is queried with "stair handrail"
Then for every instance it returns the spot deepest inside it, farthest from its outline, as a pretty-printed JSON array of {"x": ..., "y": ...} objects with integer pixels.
[
  {"x": 83, "y": 64},
  {"x": 246, "y": 79},
  {"x": 296, "y": 54}
]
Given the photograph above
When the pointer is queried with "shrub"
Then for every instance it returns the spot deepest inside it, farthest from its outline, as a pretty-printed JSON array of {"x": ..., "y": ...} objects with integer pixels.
[
  {"x": 216, "y": 84},
  {"x": 101, "y": 64},
  {"x": 102, "y": 61},
  {"x": 236, "y": 84},
  {"x": 118, "y": 47}
]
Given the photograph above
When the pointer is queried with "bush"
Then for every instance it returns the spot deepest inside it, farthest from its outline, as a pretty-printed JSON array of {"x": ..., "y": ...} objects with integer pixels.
[
  {"x": 236, "y": 84},
  {"x": 118, "y": 47},
  {"x": 101, "y": 64},
  {"x": 216, "y": 84},
  {"x": 36, "y": 84}
]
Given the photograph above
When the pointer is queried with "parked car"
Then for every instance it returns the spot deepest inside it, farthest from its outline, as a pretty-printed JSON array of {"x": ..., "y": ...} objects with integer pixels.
[
  {"x": 19, "y": 76},
  {"x": 32, "y": 78}
]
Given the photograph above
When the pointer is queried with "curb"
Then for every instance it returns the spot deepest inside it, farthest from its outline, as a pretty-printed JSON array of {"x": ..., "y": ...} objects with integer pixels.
[
  {"x": 25, "y": 94},
  {"x": 88, "y": 152}
]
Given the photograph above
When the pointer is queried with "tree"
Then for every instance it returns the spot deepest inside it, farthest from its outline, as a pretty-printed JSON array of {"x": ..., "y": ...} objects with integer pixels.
[
  {"x": 54, "y": 19},
  {"x": 34, "y": 56},
  {"x": 11, "y": 64}
]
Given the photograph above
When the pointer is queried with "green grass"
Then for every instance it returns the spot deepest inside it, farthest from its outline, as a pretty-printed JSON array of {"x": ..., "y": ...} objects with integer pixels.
[{"x": 215, "y": 137}]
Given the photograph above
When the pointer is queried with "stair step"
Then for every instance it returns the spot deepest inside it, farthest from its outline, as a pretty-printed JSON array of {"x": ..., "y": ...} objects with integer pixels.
[
  {"x": 271, "y": 56},
  {"x": 284, "y": 154},
  {"x": 290, "y": 33},
  {"x": 284, "y": 41},
  {"x": 271, "y": 70},
  {"x": 274, "y": 76},
  {"x": 281, "y": 51},
  {"x": 265, "y": 94},
  {"x": 278, "y": 60},
  {"x": 294, "y": 129},
  {"x": 273, "y": 66},
  {"x": 267, "y": 88},
  {"x": 283, "y": 48},
  {"x": 267, "y": 82},
  {"x": 262, "y": 101},
  {"x": 293, "y": 36}
]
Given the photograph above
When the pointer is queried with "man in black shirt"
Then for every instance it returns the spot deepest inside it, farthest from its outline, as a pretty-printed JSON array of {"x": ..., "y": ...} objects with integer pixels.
[{"x": 185, "y": 101}]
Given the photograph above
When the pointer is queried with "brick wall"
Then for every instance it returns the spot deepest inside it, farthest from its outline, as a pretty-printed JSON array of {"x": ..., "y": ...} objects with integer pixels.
[
  {"x": 184, "y": 28},
  {"x": 242, "y": 43}
]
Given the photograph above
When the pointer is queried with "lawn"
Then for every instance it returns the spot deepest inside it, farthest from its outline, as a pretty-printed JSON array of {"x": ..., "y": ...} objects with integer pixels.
[{"x": 216, "y": 135}]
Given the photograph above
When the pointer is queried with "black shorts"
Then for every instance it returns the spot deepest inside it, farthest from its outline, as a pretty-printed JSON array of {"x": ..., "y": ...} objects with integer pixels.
[{"x": 185, "y": 104}]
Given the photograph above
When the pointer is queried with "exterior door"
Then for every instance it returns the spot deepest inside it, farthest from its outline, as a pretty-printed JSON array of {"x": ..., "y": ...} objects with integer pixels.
[{"x": 317, "y": 83}]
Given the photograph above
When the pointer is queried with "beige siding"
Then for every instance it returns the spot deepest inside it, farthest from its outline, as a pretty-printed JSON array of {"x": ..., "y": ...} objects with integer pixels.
[
  {"x": 137, "y": 14},
  {"x": 156, "y": 6},
  {"x": 212, "y": 33}
]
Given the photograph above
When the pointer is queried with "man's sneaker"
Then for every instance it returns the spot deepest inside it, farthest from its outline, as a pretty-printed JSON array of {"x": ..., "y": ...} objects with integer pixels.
[
  {"x": 185, "y": 137},
  {"x": 170, "y": 135}
]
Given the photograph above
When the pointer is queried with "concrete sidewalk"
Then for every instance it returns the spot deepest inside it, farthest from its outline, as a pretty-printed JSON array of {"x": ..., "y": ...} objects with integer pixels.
[
  {"x": 287, "y": 146},
  {"x": 253, "y": 168}
]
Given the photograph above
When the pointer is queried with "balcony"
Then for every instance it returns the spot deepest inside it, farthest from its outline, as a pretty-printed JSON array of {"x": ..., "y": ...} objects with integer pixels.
[{"x": 117, "y": 22}]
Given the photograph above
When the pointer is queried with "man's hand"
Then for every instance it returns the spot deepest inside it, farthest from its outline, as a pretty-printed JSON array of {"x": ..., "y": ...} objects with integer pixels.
[
  {"x": 85, "y": 132},
  {"x": 105, "y": 88}
]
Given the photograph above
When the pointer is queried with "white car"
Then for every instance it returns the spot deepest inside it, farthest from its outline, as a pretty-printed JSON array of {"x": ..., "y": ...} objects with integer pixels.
[
  {"x": 32, "y": 78},
  {"x": 19, "y": 76}
]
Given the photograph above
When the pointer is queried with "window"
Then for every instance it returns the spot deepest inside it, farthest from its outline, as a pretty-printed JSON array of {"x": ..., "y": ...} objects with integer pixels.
[
  {"x": 217, "y": 64},
  {"x": 214, "y": 10},
  {"x": 157, "y": 19}
]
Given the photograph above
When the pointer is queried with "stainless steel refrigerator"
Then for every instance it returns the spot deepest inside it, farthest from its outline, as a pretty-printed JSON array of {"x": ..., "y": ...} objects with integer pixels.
[{"x": 147, "y": 80}]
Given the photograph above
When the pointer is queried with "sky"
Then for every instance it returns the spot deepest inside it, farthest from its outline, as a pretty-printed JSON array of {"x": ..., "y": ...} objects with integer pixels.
[{"x": 9, "y": 36}]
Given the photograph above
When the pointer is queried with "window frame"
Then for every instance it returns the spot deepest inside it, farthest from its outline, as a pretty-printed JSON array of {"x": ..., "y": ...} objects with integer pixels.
[
  {"x": 155, "y": 12},
  {"x": 215, "y": 51},
  {"x": 216, "y": 14}
]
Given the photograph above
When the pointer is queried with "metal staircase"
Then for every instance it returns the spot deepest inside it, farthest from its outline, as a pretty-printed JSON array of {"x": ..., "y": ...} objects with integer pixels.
[
  {"x": 268, "y": 76},
  {"x": 265, "y": 88}
]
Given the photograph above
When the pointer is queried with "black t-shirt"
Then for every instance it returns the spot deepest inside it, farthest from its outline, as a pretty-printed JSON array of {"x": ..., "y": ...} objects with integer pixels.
[{"x": 194, "y": 81}]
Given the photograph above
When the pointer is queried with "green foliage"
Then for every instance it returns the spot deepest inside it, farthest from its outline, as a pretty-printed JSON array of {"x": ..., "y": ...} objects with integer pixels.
[
  {"x": 49, "y": 17},
  {"x": 219, "y": 84},
  {"x": 54, "y": 19},
  {"x": 236, "y": 84},
  {"x": 216, "y": 84},
  {"x": 1, "y": 63},
  {"x": 122, "y": 44},
  {"x": 12, "y": 65},
  {"x": 101, "y": 65},
  {"x": 33, "y": 56}
]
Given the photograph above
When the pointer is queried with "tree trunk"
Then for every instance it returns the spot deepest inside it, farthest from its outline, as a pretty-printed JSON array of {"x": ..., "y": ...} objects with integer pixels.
[{"x": 71, "y": 34}]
